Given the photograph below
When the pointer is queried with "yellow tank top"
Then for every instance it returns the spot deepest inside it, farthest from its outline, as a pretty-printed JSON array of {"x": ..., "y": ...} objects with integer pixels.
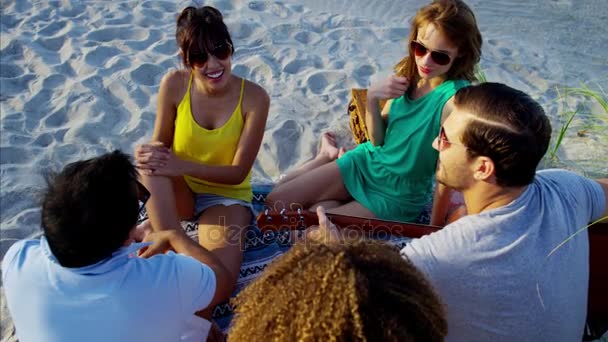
[{"x": 210, "y": 147}]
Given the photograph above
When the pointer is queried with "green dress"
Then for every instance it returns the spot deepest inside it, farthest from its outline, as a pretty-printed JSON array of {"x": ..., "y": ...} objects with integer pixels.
[{"x": 394, "y": 181}]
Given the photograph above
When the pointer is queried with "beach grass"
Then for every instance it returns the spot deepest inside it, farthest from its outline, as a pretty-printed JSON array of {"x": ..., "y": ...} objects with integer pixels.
[
  {"x": 592, "y": 107},
  {"x": 480, "y": 74}
]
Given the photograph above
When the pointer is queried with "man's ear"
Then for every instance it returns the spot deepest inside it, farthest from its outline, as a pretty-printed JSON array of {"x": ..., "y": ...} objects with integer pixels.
[{"x": 484, "y": 169}]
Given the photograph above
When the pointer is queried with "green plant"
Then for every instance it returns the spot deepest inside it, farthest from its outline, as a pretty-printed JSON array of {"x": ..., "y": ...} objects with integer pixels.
[
  {"x": 480, "y": 75},
  {"x": 594, "y": 121}
]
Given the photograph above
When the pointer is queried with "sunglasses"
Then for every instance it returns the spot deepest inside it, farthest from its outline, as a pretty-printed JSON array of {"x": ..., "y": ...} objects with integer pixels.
[
  {"x": 440, "y": 58},
  {"x": 443, "y": 142},
  {"x": 220, "y": 51},
  {"x": 142, "y": 197}
]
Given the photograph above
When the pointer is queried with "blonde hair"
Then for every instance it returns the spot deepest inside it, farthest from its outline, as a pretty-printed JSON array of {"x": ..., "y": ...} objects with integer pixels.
[
  {"x": 457, "y": 22},
  {"x": 359, "y": 291}
]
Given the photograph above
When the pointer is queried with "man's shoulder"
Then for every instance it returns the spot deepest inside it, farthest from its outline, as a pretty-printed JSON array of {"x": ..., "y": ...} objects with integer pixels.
[
  {"x": 463, "y": 224},
  {"x": 177, "y": 262},
  {"x": 557, "y": 175},
  {"x": 465, "y": 233},
  {"x": 566, "y": 183},
  {"x": 453, "y": 237},
  {"x": 20, "y": 252},
  {"x": 18, "y": 248}
]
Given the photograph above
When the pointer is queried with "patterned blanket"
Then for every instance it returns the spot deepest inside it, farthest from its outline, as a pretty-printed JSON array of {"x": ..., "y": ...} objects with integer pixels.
[{"x": 260, "y": 250}]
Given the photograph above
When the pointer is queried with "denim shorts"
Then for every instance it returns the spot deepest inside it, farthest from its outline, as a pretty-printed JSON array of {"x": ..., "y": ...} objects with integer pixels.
[{"x": 203, "y": 202}]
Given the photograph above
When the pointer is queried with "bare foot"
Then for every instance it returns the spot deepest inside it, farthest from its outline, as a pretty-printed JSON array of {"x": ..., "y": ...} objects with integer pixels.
[{"x": 328, "y": 146}]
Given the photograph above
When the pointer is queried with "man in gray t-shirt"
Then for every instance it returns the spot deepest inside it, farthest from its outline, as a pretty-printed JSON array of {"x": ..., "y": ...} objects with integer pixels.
[
  {"x": 496, "y": 269},
  {"x": 495, "y": 272}
]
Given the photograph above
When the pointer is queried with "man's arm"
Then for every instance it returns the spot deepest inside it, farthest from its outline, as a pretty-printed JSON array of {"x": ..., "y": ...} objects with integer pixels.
[
  {"x": 178, "y": 241},
  {"x": 604, "y": 183},
  {"x": 326, "y": 232}
]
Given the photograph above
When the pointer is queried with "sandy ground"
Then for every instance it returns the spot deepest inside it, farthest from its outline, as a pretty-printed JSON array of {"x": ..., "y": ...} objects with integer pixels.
[{"x": 79, "y": 78}]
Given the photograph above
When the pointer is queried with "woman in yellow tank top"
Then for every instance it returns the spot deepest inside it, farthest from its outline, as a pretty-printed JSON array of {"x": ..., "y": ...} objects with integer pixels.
[{"x": 208, "y": 130}]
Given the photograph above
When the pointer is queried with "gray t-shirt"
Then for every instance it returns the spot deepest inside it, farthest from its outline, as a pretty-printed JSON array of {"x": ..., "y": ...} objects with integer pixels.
[{"x": 493, "y": 272}]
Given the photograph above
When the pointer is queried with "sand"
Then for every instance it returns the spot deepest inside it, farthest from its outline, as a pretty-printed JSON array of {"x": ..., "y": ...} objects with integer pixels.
[{"x": 79, "y": 78}]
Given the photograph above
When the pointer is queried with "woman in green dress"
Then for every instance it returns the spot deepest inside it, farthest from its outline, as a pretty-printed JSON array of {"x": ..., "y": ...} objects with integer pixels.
[{"x": 391, "y": 176}]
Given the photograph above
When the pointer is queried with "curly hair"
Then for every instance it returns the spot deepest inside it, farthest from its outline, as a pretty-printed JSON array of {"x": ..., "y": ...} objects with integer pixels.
[
  {"x": 456, "y": 21},
  {"x": 360, "y": 291}
]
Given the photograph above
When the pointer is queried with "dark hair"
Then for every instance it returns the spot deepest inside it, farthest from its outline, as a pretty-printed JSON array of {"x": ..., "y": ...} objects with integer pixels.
[
  {"x": 509, "y": 127},
  {"x": 89, "y": 209},
  {"x": 200, "y": 30},
  {"x": 457, "y": 22},
  {"x": 363, "y": 290}
]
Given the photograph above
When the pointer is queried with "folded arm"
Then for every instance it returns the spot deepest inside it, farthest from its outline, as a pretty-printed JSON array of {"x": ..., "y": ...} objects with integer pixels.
[
  {"x": 375, "y": 120},
  {"x": 178, "y": 241}
]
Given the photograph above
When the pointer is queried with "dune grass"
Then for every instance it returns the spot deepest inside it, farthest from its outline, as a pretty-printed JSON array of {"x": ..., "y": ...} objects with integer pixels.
[
  {"x": 480, "y": 74},
  {"x": 595, "y": 121},
  {"x": 591, "y": 107}
]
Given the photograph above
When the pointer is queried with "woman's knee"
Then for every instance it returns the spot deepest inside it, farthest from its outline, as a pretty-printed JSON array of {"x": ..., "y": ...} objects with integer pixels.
[{"x": 224, "y": 226}]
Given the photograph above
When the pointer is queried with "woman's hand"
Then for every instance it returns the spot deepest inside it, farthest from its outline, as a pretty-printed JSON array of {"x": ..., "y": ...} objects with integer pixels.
[
  {"x": 154, "y": 159},
  {"x": 171, "y": 167},
  {"x": 151, "y": 156},
  {"x": 390, "y": 88}
]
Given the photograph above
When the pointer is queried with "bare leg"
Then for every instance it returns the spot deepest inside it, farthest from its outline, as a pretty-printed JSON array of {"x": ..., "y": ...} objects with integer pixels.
[
  {"x": 320, "y": 184},
  {"x": 170, "y": 201},
  {"x": 326, "y": 204},
  {"x": 352, "y": 208},
  {"x": 327, "y": 152},
  {"x": 221, "y": 230}
]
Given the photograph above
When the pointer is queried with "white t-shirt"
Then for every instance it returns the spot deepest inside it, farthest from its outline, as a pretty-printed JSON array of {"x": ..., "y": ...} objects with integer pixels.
[
  {"x": 493, "y": 270},
  {"x": 122, "y": 298}
]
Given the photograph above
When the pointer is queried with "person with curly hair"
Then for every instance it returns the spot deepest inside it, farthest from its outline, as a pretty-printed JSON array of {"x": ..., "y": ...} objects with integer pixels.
[{"x": 356, "y": 291}]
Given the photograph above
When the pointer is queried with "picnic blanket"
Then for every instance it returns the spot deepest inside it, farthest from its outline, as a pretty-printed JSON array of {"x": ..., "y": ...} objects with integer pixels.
[{"x": 261, "y": 249}]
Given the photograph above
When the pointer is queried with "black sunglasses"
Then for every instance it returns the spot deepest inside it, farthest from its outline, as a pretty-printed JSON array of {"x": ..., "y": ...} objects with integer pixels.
[
  {"x": 440, "y": 58},
  {"x": 142, "y": 197},
  {"x": 220, "y": 51}
]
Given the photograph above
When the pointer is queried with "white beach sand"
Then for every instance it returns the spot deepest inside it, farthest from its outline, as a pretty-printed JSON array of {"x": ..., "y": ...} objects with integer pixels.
[{"x": 79, "y": 78}]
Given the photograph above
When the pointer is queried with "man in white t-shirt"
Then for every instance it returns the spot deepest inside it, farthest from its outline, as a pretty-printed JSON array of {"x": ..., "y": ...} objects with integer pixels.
[
  {"x": 499, "y": 270},
  {"x": 83, "y": 280}
]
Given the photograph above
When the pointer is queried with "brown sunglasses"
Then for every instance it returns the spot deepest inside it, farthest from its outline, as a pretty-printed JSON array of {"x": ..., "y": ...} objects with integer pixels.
[{"x": 440, "y": 58}]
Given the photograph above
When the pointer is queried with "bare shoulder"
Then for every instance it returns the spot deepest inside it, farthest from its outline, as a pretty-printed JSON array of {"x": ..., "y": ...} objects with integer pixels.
[
  {"x": 255, "y": 96},
  {"x": 175, "y": 82}
]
